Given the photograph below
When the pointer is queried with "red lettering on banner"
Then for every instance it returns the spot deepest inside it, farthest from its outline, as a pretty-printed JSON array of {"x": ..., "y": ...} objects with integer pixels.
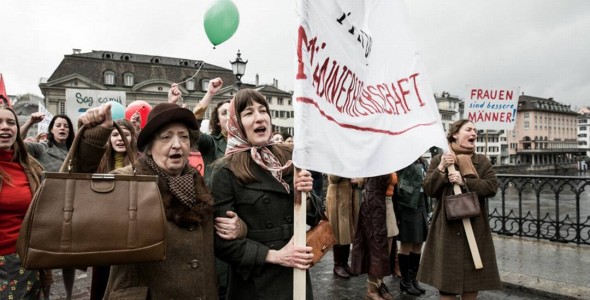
[
  {"x": 479, "y": 94},
  {"x": 341, "y": 87}
]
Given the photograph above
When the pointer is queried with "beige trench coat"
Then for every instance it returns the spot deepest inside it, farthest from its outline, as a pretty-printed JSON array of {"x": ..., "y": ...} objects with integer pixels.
[{"x": 342, "y": 208}]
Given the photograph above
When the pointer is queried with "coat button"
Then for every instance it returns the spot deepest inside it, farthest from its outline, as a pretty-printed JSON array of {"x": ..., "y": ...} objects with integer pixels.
[
  {"x": 191, "y": 227},
  {"x": 195, "y": 263},
  {"x": 288, "y": 219},
  {"x": 269, "y": 224},
  {"x": 266, "y": 200},
  {"x": 458, "y": 233}
]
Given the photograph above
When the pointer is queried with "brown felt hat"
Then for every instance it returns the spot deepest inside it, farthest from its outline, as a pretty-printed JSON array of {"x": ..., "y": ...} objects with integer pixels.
[{"x": 162, "y": 115}]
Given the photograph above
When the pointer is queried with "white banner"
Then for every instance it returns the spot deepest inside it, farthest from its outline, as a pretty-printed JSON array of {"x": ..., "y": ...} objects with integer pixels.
[
  {"x": 80, "y": 100},
  {"x": 363, "y": 101},
  {"x": 492, "y": 108},
  {"x": 43, "y": 126}
]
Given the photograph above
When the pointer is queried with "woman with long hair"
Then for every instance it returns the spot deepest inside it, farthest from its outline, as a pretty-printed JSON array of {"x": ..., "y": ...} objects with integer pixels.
[
  {"x": 51, "y": 154},
  {"x": 115, "y": 157},
  {"x": 20, "y": 176}
]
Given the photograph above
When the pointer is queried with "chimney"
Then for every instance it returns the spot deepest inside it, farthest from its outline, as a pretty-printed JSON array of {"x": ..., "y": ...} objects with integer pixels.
[
  {"x": 76, "y": 51},
  {"x": 257, "y": 79}
]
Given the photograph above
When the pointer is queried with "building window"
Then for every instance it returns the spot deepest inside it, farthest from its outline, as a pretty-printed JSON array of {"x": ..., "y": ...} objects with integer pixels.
[
  {"x": 204, "y": 84},
  {"x": 62, "y": 107},
  {"x": 290, "y": 102},
  {"x": 109, "y": 77},
  {"x": 128, "y": 79},
  {"x": 526, "y": 114},
  {"x": 269, "y": 99},
  {"x": 190, "y": 85},
  {"x": 282, "y": 114},
  {"x": 582, "y": 128},
  {"x": 526, "y": 124},
  {"x": 280, "y": 101}
]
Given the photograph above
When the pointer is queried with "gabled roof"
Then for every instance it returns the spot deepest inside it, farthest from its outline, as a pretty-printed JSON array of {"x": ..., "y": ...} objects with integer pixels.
[{"x": 92, "y": 65}]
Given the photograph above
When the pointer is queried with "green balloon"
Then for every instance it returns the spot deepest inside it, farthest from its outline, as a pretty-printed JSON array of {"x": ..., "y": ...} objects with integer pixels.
[{"x": 221, "y": 21}]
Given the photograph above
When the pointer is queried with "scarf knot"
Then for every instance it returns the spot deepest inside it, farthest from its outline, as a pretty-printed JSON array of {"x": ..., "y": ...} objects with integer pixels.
[{"x": 181, "y": 186}]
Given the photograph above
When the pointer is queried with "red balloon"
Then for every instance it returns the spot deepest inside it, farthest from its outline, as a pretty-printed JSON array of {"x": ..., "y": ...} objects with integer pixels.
[{"x": 140, "y": 106}]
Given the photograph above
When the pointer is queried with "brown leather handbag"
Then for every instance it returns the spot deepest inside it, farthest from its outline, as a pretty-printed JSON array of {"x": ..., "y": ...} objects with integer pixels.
[
  {"x": 320, "y": 238},
  {"x": 83, "y": 219},
  {"x": 462, "y": 206}
]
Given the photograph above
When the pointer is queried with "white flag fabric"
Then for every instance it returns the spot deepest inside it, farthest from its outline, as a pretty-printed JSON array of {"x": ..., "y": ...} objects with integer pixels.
[
  {"x": 43, "y": 126},
  {"x": 363, "y": 102}
]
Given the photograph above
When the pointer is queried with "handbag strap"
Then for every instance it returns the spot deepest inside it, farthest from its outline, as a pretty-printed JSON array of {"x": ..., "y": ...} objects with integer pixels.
[{"x": 69, "y": 161}]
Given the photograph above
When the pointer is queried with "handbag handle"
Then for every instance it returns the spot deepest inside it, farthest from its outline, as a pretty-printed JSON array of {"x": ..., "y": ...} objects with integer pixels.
[{"x": 68, "y": 162}]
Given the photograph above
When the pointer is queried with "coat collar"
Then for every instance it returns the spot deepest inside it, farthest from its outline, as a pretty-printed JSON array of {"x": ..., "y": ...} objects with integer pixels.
[{"x": 267, "y": 182}]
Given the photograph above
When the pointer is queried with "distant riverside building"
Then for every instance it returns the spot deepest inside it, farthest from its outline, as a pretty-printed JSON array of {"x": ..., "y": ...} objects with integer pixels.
[
  {"x": 584, "y": 129},
  {"x": 148, "y": 78},
  {"x": 546, "y": 133}
]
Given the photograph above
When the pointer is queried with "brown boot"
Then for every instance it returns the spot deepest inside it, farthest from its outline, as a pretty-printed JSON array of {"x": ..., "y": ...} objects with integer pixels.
[
  {"x": 339, "y": 263},
  {"x": 377, "y": 291}
]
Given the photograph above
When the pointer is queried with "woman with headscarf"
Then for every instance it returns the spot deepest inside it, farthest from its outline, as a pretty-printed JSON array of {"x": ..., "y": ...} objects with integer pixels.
[
  {"x": 256, "y": 179},
  {"x": 189, "y": 269},
  {"x": 447, "y": 263}
]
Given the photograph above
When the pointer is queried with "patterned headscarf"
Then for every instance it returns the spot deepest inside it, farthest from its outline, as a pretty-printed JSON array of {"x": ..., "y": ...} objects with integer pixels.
[{"x": 237, "y": 142}]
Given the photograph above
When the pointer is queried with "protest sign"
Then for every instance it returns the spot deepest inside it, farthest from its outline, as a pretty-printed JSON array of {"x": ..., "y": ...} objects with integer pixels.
[
  {"x": 492, "y": 108},
  {"x": 80, "y": 100}
]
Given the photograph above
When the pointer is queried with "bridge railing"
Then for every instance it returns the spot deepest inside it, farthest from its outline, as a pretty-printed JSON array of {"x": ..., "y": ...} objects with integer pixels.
[{"x": 550, "y": 207}]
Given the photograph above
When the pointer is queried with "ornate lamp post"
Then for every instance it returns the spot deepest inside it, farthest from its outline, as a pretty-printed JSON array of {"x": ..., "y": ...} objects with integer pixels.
[{"x": 239, "y": 68}]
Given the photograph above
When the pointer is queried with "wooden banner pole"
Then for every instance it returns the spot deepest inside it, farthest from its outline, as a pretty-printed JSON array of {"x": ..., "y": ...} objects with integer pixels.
[
  {"x": 299, "y": 226},
  {"x": 468, "y": 229}
]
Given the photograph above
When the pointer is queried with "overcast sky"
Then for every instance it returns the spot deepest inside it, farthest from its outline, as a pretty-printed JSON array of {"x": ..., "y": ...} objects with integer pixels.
[{"x": 541, "y": 46}]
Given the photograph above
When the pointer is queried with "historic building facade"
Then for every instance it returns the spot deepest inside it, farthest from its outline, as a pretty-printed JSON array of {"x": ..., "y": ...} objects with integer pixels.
[
  {"x": 546, "y": 133},
  {"x": 82, "y": 78}
]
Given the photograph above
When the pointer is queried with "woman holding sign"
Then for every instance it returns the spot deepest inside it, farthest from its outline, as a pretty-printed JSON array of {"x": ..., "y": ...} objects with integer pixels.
[
  {"x": 256, "y": 179},
  {"x": 446, "y": 261}
]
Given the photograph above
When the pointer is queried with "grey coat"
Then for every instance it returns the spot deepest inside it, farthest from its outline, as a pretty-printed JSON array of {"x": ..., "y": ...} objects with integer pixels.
[
  {"x": 267, "y": 208},
  {"x": 189, "y": 269},
  {"x": 51, "y": 158},
  {"x": 446, "y": 261}
]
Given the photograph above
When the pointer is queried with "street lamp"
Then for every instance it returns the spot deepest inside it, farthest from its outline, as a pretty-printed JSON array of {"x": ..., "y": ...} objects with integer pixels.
[{"x": 238, "y": 66}]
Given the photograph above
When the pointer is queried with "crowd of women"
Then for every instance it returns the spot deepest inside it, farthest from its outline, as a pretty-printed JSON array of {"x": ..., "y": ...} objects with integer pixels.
[{"x": 241, "y": 210}]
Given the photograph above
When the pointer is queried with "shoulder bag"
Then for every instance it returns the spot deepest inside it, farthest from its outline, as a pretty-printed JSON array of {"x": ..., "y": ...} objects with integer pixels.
[
  {"x": 84, "y": 219},
  {"x": 320, "y": 238},
  {"x": 460, "y": 206}
]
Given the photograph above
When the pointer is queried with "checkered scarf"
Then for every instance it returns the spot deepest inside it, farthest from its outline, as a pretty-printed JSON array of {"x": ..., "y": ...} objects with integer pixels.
[
  {"x": 182, "y": 186},
  {"x": 237, "y": 142}
]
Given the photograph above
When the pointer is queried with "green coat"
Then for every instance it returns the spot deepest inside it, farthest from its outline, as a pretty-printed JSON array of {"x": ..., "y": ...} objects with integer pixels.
[
  {"x": 267, "y": 208},
  {"x": 212, "y": 147},
  {"x": 446, "y": 261}
]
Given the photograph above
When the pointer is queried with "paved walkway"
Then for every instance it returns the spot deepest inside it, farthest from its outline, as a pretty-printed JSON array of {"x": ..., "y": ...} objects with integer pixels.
[{"x": 530, "y": 269}]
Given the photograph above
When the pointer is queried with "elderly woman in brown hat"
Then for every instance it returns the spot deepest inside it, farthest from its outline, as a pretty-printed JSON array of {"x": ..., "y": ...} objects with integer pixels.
[{"x": 189, "y": 269}]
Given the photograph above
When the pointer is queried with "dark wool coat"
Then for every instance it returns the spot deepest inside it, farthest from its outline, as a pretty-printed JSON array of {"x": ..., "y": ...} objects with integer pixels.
[
  {"x": 370, "y": 253},
  {"x": 412, "y": 218},
  {"x": 267, "y": 209},
  {"x": 212, "y": 147},
  {"x": 189, "y": 269},
  {"x": 446, "y": 260}
]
